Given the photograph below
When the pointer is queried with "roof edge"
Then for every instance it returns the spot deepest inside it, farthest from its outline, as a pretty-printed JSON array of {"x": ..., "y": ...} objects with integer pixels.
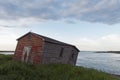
[
  {"x": 23, "y": 36},
  {"x": 46, "y": 40}
]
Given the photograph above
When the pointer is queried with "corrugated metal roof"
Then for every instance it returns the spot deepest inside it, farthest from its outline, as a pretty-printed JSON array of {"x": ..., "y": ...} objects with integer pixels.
[{"x": 47, "y": 39}]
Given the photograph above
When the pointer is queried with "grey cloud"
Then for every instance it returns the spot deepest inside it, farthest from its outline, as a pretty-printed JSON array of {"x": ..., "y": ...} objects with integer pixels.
[
  {"x": 11, "y": 26},
  {"x": 7, "y": 26},
  {"x": 103, "y": 11}
]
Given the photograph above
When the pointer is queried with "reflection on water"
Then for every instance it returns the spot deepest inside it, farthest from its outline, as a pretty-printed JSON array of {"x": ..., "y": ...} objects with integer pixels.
[{"x": 108, "y": 62}]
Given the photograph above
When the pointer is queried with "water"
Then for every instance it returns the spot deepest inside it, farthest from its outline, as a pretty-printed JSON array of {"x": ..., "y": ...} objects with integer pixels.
[
  {"x": 107, "y": 62},
  {"x": 6, "y": 53}
]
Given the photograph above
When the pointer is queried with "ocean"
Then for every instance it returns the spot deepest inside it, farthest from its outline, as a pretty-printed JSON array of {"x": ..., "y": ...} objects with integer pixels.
[{"x": 106, "y": 62}]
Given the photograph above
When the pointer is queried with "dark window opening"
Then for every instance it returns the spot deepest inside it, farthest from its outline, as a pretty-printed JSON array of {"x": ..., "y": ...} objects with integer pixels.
[
  {"x": 72, "y": 54},
  {"x": 61, "y": 52},
  {"x": 30, "y": 37}
]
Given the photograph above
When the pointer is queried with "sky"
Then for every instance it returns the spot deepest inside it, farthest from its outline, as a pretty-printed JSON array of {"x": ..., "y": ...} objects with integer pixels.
[{"x": 90, "y": 25}]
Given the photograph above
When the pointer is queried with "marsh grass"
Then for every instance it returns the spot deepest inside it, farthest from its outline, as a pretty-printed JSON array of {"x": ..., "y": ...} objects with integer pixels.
[{"x": 11, "y": 70}]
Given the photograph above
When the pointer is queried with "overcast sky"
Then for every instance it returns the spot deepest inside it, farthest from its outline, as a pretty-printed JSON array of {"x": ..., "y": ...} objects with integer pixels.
[{"x": 88, "y": 24}]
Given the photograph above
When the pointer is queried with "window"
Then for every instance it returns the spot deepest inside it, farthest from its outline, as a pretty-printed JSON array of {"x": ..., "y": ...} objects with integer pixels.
[
  {"x": 29, "y": 36},
  {"x": 61, "y": 52},
  {"x": 72, "y": 54}
]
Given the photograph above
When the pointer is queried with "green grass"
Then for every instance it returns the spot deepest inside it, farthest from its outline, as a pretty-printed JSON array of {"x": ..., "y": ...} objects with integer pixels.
[
  {"x": 11, "y": 70},
  {"x": 5, "y": 58}
]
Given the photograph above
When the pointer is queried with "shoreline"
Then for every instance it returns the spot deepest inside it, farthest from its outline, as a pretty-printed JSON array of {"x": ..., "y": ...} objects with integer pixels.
[
  {"x": 115, "y": 75},
  {"x": 116, "y": 52},
  {"x": 7, "y": 51}
]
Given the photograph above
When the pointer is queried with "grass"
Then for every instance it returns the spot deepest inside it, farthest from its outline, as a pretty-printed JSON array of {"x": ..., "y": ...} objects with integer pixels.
[
  {"x": 5, "y": 58},
  {"x": 11, "y": 70}
]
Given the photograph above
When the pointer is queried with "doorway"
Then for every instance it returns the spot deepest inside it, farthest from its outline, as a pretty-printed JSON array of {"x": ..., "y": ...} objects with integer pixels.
[{"x": 26, "y": 54}]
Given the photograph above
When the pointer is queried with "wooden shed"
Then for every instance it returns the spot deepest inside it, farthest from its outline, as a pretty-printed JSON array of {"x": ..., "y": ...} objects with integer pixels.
[{"x": 37, "y": 49}]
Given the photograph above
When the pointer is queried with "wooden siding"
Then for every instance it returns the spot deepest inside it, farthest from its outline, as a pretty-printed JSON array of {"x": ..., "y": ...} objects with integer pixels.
[
  {"x": 73, "y": 56},
  {"x": 51, "y": 54}
]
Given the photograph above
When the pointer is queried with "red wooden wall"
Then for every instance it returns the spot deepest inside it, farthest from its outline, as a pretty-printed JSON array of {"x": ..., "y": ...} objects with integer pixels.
[{"x": 36, "y": 51}]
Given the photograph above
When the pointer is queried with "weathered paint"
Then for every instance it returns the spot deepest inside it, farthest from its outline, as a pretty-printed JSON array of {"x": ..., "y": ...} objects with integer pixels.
[
  {"x": 36, "y": 44},
  {"x": 26, "y": 54},
  {"x": 51, "y": 54}
]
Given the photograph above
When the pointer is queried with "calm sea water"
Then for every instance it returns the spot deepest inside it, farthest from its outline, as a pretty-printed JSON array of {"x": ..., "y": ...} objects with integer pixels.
[
  {"x": 6, "y": 53},
  {"x": 107, "y": 62}
]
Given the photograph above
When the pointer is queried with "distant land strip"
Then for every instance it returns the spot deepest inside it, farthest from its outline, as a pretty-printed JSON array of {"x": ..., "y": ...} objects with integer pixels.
[
  {"x": 7, "y": 51},
  {"x": 117, "y": 52}
]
